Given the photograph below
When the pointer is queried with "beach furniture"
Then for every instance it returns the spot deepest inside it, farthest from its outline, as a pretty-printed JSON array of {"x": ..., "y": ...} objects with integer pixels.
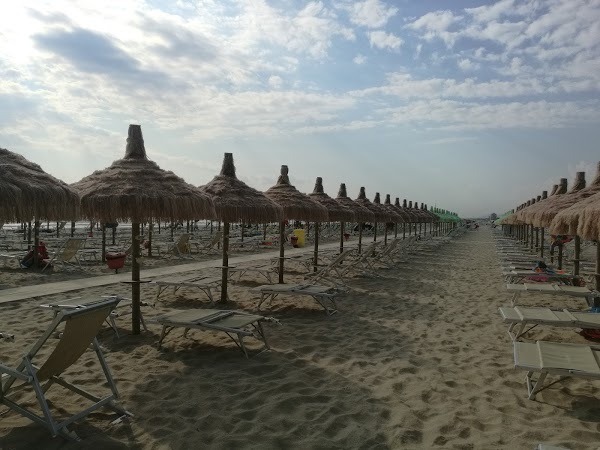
[
  {"x": 548, "y": 288},
  {"x": 209, "y": 247},
  {"x": 81, "y": 325},
  {"x": 549, "y": 447},
  {"x": 515, "y": 276},
  {"x": 6, "y": 336},
  {"x": 324, "y": 295},
  {"x": 66, "y": 255},
  {"x": 181, "y": 247},
  {"x": 522, "y": 319},
  {"x": 335, "y": 271},
  {"x": 202, "y": 283},
  {"x": 551, "y": 358},
  {"x": 265, "y": 270},
  {"x": 235, "y": 324},
  {"x": 122, "y": 308}
]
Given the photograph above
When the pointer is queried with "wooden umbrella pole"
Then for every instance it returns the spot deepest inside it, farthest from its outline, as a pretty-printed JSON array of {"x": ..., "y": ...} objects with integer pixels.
[
  {"x": 316, "y": 254},
  {"x": 135, "y": 278},
  {"x": 150, "y": 233},
  {"x": 537, "y": 239},
  {"x": 577, "y": 255},
  {"x": 265, "y": 232},
  {"x": 359, "y": 237},
  {"x": 36, "y": 242},
  {"x": 103, "y": 242},
  {"x": 560, "y": 256},
  {"x": 281, "y": 250},
  {"x": 219, "y": 229},
  {"x": 542, "y": 242},
  {"x": 396, "y": 231},
  {"x": 114, "y": 235},
  {"x": 385, "y": 233},
  {"x": 597, "y": 274},
  {"x": 242, "y": 225},
  {"x": 225, "y": 267},
  {"x": 404, "y": 230},
  {"x": 531, "y": 237},
  {"x": 28, "y": 234},
  {"x": 375, "y": 232},
  {"x": 341, "y": 237}
]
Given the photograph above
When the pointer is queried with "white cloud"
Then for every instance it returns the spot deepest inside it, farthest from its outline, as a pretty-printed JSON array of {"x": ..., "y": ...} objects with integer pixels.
[
  {"x": 383, "y": 40},
  {"x": 275, "y": 81},
  {"x": 369, "y": 13},
  {"x": 467, "y": 65},
  {"x": 359, "y": 59},
  {"x": 436, "y": 25}
]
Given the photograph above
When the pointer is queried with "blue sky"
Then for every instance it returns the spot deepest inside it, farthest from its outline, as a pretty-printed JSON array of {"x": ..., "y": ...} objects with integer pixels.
[{"x": 471, "y": 105}]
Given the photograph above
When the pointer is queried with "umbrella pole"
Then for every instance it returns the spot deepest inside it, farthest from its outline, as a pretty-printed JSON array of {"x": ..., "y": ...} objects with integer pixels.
[
  {"x": 219, "y": 229},
  {"x": 577, "y": 255},
  {"x": 135, "y": 278},
  {"x": 396, "y": 231},
  {"x": 359, "y": 237},
  {"x": 150, "y": 226},
  {"x": 72, "y": 229},
  {"x": 242, "y": 224},
  {"x": 103, "y": 242},
  {"x": 28, "y": 234},
  {"x": 264, "y": 232},
  {"x": 114, "y": 235},
  {"x": 560, "y": 256},
  {"x": 537, "y": 239},
  {"x": 404, "y": 230},
  {"x": 542, "y": 242},
  {"x": 281, "y": 250},
  {"x": 341, "y": 237},
  {"x": 36, "y": 242},
  {"x": 385, "y": 233},
  {"x": 375, "y": 232},
  {"x": 531, "y": 237},
  {"x": 225, "y": 268},
  {"x": 316, "y": 258}
]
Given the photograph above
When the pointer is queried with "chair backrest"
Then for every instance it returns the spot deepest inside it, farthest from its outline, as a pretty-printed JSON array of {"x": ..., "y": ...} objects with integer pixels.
[
  {"x": 215, "y": 240},
  {"x": 81, "y": 327},
  {"x": 183, "y": 243},
  {"x": 70, "y": 248}
]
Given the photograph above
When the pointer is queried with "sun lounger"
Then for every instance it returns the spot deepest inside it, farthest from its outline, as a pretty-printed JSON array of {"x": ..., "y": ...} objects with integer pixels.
[
  {"x": 519, "y": 318},
  {"x": 266, "y": 271},
  {"x": 67, "y": 255},
  {"x": 79, "y": 302},
  {"x": 237, "y": 325},
  {"x": 80, "y": 328},
  {"x": 203, "y": 283},
  {"x": 324, "y": 295},
  {"x": 515, "y": 276},
  {"x": 548, "y": 288},
  {"x": 556, "y": 359}
]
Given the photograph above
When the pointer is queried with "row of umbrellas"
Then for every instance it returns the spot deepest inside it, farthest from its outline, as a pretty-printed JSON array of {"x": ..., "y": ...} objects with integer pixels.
[
  {"x": 574, "y": 212},
  {"x": 136, "y": 189}
]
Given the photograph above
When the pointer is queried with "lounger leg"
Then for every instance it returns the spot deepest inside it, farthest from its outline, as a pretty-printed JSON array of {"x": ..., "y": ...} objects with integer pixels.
[
  {"x": 514, "y": 298},
  {"x": 165, "y": 330},
  {"x": 532, "y": 388}
]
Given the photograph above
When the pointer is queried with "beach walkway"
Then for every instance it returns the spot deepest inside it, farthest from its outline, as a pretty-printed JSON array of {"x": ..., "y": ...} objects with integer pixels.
[{"x": 39, "y": 290}]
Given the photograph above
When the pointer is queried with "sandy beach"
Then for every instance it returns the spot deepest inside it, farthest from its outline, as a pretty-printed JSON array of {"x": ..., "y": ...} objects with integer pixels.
[{"x": 417, "y": 358}]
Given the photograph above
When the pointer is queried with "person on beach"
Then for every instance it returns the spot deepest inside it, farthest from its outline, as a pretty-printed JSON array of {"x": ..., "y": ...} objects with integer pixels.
[{"x": 42, "y": 252}]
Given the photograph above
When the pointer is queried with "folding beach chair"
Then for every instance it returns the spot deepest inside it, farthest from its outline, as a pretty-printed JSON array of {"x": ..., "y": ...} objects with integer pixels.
[
  {"x": 67, "y": 254},
  {"x": 180, "y": 248},
  {"x": 236, "y": 324},
  {"x": 210, "y": 247},
  {"x": 520, "y": 318},
  {"x": 80, "y": 329},
  {"x": 565, "y": 360},
  {"x": 334, "y": 272}
]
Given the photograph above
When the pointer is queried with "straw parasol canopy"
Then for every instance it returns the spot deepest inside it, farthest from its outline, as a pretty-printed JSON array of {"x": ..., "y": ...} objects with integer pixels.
[
  {"x": 336, "y": 211},
  {"x": 26, "y": 191},
  {"x": 567, "y": 220},
  {"x": 235, "y": 201},
  {"x": 394, "y": 215},
  {"x": 361, "y": 213},
  {"x": 138, "y": 189},
  {"x": 295, "y": 205},
  {"x": 380, "y": 214},
  {"x": 388, "y": 202},
  {"x": 533, "y": 213},
  {"x": 411, "y": 216}
]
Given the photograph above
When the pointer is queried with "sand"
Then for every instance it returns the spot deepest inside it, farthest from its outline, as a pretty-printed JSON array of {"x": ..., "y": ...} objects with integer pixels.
[{"x": 418, "y": 359}]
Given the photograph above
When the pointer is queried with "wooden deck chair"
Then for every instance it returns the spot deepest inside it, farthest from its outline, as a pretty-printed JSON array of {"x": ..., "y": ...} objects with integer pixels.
[
  {"x": 210, "y": 247},
  {"x": 236, "y": 324},
  {"x": 181, "y": 247},
  {"x": 521, "y": 319},
  {"x": 333, "y": 272},
  {"x": 66, "y": 255},
  {"x": 552, "y": 358},
  {"x": 80, "y": 329}
]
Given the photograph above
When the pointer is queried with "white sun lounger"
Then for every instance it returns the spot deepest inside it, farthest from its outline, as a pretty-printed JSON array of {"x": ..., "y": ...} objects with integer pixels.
[
  {"x": 203, "y": 283},
  {"x": 323, "y": 295},
  {"x": 236, "y": 324},
  {"x": 520, "y": 317},
  {"x": 547, "y": 288},
  {"x": 266, "y": 271},
  {"x": 515, "y": 276},
  {"x": 556, "y": 359}
]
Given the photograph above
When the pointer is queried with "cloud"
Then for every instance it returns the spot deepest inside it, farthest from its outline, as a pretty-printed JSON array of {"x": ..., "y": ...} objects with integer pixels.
[
  {"x": 467, "y": 65},
  {"x": 383, "y": 40},
  {"x": 275, "y": 81},
  {"x": 359, "y": 59},
  {"x": 369, "y": 13}
]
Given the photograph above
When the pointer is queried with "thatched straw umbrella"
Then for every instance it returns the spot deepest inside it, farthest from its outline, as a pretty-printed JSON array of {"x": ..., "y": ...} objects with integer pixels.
[
  {"x": 335, "y": 210},
  {"x": 395, "y": 216},
  {"x": 235, "y": 201},
  {"x": 381, "y": 215},
  {"x": 295, "y": 205},
  {"x": 27, "y": 192},
  {"x": 361, "y": 213},
  {"x": 137, "y": 189},
  {"x": 405, "y": 218}
]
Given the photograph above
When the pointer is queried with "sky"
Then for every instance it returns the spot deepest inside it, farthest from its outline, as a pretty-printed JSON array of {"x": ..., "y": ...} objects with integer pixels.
[{"x": 474, "y": 106}]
